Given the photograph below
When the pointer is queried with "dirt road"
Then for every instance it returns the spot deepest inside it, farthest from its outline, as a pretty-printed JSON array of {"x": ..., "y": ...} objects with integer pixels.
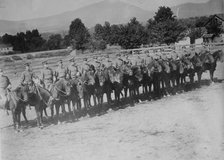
[{"x": 181, "y": 127}]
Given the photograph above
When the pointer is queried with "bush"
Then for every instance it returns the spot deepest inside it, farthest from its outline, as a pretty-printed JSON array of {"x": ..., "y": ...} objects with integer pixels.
[
  {"x": 16, "y": 58},
  {"x": 51, "y": 54},
  {"x": 11, "y": 53},
  {"x": 7, "y": 59},
  {"x": 29, "y": 56}
]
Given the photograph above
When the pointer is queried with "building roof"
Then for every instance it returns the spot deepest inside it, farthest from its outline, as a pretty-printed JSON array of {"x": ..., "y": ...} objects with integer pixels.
[
  {"x": 218, "y": 16},
  {"x": 5, "y": 45}
]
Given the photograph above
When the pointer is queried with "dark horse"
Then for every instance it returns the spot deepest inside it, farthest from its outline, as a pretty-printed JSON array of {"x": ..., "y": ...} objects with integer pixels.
[
  {"x": 210, "y": 62},
  {"x": 39, "y": 98},
  {"x": 60, "y": 92},
  {"x": 165, "y": 77},
  {"x": 101, "y": 86},
  {"x": 206, "y": 61},
  {"x": 17, "y": 104},
  {"x": 76, "y": 95},
  {"x": 116, "y": 78}
]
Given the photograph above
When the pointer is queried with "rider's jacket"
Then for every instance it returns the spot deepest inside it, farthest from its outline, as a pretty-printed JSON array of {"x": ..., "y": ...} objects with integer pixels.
[
  {"x": 27, "y": 77},
  {"x": 47, "y": 75},
  {"x": 61, "y": 72},
  {"x": 73, "y": 71}
]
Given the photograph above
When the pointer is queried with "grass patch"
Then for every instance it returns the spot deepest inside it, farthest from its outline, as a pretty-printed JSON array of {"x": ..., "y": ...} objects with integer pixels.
[
  {"x": 16, "y": 58},
  {"x": 52, "y": 54},
  {"x": 29, "y": 56}
]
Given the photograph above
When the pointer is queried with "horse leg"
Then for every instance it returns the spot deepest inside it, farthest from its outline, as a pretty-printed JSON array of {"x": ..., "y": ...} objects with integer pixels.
[
  {"x": 57, "y": 106},
  {"x": 94, "y": 99},
  {"x": 199, "y": 74},
  {"x": 14, "y": 119},
  {"x": 63, "y": 108},
  {"x": 19, "y": 119},
  {"x": 45, "y": 112},
  {"x": 211, "y": 75},
  {"x": 24, "y": 114},
  {"x": 52, "y": 110},
  {"x": 38, "y": 114},
  {"x": 108, "y": 97},
  {"x": 69, "y": 105}
]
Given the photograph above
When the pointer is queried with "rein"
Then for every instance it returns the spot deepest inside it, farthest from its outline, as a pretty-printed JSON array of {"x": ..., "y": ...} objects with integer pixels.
[{"x": 65, "y": 94}]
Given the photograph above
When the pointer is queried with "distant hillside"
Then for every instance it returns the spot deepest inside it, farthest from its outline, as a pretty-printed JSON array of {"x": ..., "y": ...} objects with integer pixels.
[
  {"x": 114, "y": 12},
  {"x": 199, "y": 9},
  {"x": 11, "y": 26}
]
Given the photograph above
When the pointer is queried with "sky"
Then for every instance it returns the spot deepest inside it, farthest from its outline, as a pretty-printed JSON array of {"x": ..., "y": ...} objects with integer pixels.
[{"x": 29, "y": 9}]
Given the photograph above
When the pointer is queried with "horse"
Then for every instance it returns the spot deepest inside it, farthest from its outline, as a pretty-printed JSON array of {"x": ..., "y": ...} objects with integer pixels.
[
  {"x": 210, "y": 62},
  {"x": 75, "y": 96},
  {"x": 198, "y": 66},
  {"x": 88, "y": 85},
  {"x": 60, "y": 91},
  {"x": 156, "y": 70},
  {"x": 39, "y": 98},
  {"x": 17, "y": 104},
  {"x": 100, "y": 86},
  {"x": 137, "y": 79},
  {"x": 129, "y": 83},
  {"x": 181, "y": 74},
  {"x": 116, "y": 78},
  {"x": 165, "y": 77}
]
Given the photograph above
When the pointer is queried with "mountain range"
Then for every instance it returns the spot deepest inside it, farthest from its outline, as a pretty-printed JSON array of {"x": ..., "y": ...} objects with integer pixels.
[{"x": 114, "y": 12}]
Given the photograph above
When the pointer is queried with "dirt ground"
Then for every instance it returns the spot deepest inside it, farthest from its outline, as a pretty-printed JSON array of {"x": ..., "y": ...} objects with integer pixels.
[{"x": 181, "y": 127}]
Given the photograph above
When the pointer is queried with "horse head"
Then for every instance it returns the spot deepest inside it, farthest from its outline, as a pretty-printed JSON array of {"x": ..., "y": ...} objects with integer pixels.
[
  {"x": 22, "y": 93},
  {"x": 80, "y": 88},
  {"x": 219, "y": 55},
  {"x": 63, "y": 87},
  {"x": 101, "y": 77},
  {"x": 181, "y": 67}
]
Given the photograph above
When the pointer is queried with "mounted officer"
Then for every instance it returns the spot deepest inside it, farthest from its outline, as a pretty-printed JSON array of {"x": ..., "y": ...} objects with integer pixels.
[
  {"x": 5, "y": 87},
  {"x": 46, "y": 76},
  {"x": 61, "y": 71},
  {"x": 73, "y": 70},
  {"x": 28, "y": 76}
]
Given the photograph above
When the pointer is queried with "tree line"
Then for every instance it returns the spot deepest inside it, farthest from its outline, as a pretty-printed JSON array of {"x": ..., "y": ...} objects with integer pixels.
[{"x": 163, "y": 28}]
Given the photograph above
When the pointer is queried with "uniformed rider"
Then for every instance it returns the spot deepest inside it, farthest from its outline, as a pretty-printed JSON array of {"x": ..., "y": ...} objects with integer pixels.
[
  {"x": 61, "y": 71},
  {"x": 28, "y": 76},
  {"x": 46, "y": 75},
  {"x": 73, "y": 70},
  {"x": 5, "y": 86}
]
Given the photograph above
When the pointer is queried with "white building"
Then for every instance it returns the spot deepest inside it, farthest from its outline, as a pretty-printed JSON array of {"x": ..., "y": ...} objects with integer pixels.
[{"x": 5, "y": 48}]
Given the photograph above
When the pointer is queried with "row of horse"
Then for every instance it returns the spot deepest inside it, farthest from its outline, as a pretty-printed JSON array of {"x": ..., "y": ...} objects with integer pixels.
[{"x": 157, "y": 78}]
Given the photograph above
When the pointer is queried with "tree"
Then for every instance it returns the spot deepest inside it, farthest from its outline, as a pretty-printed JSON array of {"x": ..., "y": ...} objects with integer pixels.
[
  {"x": 163, "y": 14},
  {"x": 78, "y": 34},
  {"x": 195, "y": 33},
  {"x": 165, "y": 28},
  {"x": 132, "y": 35},
  {"x": 25, "y": 42},
  {"x": 99, "y": 31},
  {"x": 54, "y": 42},
  {"x": 66, "y": 41}
]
